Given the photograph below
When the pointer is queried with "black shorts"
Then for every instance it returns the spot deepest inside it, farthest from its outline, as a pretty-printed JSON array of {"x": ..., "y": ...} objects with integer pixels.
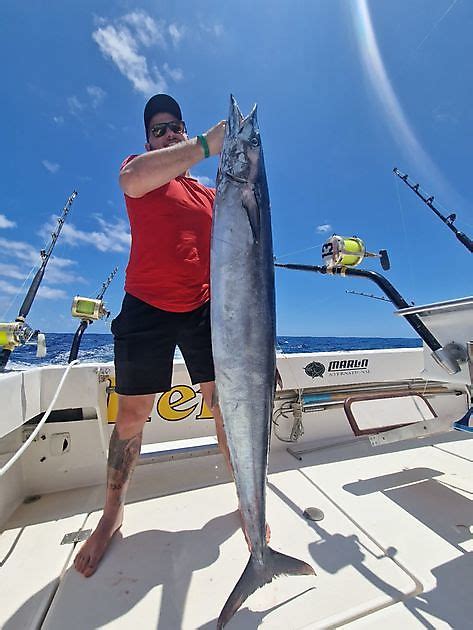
[{"x": 145, "y": 339}]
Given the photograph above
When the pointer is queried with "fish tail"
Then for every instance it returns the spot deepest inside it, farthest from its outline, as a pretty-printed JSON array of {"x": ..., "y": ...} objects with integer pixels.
[{"x": 255, "y": 575}]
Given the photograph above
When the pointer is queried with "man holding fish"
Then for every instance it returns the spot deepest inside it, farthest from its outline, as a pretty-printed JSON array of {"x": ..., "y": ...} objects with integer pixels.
[
  {"x": 164, "y": 203},
  {"x": 167, "y": 292}
]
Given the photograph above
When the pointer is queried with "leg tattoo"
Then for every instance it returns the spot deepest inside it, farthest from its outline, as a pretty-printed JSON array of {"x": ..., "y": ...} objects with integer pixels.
[{"x": 122, "y": 458}]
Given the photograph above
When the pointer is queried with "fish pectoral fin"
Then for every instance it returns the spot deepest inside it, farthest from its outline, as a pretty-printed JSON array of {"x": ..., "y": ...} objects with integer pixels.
[
  {"x": 275, "y": 564},
  {"x": 249, "y": 202},
  {"x": 278, "y": 380}
]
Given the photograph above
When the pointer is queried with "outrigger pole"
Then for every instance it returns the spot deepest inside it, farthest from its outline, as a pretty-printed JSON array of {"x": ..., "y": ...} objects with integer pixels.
[
  {"x": 18, "y": 332},
  {"x": 449, "y": 221},
  {"x": 88, "y": 310}
]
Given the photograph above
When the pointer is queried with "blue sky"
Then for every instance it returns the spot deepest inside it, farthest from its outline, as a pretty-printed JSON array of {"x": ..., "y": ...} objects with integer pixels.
[{"x": 346, "y": 90}]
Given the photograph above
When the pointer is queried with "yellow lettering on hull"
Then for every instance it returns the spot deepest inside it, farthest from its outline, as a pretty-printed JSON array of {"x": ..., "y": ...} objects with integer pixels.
[{"x": 170, "y": 405}]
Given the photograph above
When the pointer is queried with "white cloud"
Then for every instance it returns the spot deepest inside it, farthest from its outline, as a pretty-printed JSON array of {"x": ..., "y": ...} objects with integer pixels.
[
  {"x": 176, "y": 33},
  {"x": 321, "y": 229},
  {"x": 75, "y": 105},
  {"x": 113, "y": 236},
  {"x": 62, "y": 262},
  {"x": 79, "y": 106},
  {"x": 123, "y": 40},
  {"x": 46, "y": 292},
  {"x": 147, "y": 31},
  {"x": 6, "y": 223},
  {"x": 20, "y": 250},
  {"x": 8, "y": 289},
  {"x": 58, "y": 119},
  {"x": 122, "y": 48},
  {"x": 52, "y": 167},
  {"x": 176, "y": 74},
  {"x": 26, "y": 253},
  {"x": 96, "y": 94},
  {"x": 56, "y": 273},
  {"x": 11, "y": 271},
  {"x": 213, "y": 29},
  {"x": 206, "y": 181}
]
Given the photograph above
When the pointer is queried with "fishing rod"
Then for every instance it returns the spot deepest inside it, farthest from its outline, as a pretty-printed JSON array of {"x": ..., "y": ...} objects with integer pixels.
[
  {"x": 17, "y": 333},
  {"x": 383, "y": 283},
  {"x": 428, "y": 200},
  {"x": 342, "y": 255},
  {"x": 88, "y": 310},
  {"x": 368, "y": 295}
]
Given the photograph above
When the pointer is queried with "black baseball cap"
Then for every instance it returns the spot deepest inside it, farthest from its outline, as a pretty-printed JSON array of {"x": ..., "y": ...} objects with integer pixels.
[{"x": 161, "y": 103}]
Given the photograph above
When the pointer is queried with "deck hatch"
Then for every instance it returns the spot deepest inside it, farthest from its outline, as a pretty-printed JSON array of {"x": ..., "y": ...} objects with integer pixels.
[{"x": 75, "y": 537}]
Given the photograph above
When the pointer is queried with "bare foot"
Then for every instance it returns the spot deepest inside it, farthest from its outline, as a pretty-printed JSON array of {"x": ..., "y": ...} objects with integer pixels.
[{"x": 92, "y": 551}]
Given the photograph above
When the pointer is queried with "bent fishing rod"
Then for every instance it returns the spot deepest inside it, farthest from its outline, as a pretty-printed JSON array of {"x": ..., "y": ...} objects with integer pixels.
[
  {"x": 88, "y": 310},
  {"x": 428, "y": 200},
  {"x": 14, "y": 334}
]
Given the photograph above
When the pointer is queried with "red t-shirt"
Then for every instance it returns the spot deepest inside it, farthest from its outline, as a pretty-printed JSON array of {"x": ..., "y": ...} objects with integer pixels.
[{"x": 169, "y": 265}]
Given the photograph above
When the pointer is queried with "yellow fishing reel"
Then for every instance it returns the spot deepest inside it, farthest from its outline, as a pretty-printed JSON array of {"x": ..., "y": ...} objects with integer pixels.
[
  {"x": 14, "y": 334},
  {"x": 342, "y": 251},
  {"x": 89, "y": 309},
  {"x": 18, "y": 333}
]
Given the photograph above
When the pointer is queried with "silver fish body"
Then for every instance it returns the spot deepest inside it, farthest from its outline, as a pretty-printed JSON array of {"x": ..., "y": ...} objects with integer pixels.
[{"x": 243, "y": 324}]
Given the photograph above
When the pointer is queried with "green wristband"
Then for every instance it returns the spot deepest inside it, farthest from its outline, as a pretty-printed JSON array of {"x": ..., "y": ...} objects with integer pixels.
[{"x": 203, "y": 141}]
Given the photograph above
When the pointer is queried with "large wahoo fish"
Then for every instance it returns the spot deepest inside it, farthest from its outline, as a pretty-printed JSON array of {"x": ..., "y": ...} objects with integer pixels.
[{"x": 243, "y": 340}]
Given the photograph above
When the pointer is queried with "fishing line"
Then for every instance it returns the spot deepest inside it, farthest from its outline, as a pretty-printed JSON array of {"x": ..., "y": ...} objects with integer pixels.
[
  {"x": 406, "y": 241},
  {"x": 20, "y": 290},
  {"x": 277, "y": 258},
  {"x": 436, "y": 24},
  {"x": 32, "y": 270},
  {"x": 466, "y": 223},
  {"x": 306, "y": 249}
]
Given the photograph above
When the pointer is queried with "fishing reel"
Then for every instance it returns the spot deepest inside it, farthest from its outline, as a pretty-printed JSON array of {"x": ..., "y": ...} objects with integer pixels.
[
  {"x": 341, "y": 251},
  {"x": 88, "y": 309},
  {"x": 19, "y": 333}
]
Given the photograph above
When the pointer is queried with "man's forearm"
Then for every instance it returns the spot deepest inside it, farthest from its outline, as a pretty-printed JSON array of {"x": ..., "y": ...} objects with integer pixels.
[{"x": 156, "y": 168}]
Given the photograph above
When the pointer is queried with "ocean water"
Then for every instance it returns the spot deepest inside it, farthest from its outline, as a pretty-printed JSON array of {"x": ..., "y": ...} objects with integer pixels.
[{"x": 99, "y": 347}]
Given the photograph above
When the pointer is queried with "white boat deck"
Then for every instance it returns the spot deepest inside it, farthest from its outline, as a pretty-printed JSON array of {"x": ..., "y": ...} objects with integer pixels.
[{"x": 394, "y": 549}]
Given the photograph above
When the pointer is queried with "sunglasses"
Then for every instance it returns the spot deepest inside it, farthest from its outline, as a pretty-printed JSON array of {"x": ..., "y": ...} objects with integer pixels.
[{"x": 176, "y": 126}]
